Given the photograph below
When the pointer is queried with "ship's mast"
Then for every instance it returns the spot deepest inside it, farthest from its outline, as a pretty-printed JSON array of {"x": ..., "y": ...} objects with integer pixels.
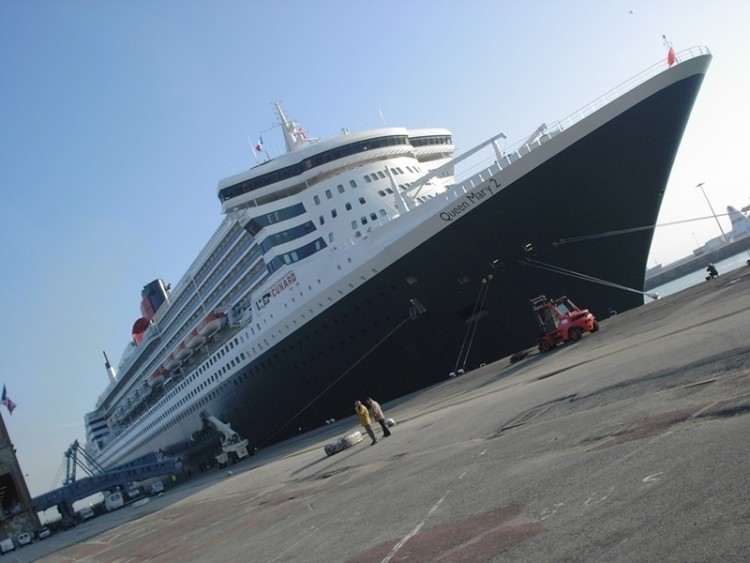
[{"x": 294, "y": 135}]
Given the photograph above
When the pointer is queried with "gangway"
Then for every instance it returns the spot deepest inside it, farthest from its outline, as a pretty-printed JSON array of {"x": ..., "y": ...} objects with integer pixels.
[
  {"x": 98, "y": 480},
  {"x": 91, "y": 467}
]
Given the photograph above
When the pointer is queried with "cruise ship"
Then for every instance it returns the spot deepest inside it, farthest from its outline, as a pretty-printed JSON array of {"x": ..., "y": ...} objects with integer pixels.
[{"x": 380, "y": 262}]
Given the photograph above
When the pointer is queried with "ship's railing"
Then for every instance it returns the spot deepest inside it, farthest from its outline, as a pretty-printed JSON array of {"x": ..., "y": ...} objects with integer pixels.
[
  {"x": 522, "y": 148},
  {"x": 157, "y": 401},
  {"x": 490, "y": 165},
  {"x": 176, "y": 324},
  {"x": 628, "y": 85}
]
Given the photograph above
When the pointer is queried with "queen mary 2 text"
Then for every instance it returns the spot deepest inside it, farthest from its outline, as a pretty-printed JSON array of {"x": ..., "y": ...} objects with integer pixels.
[{"x": 469, "y": 200}]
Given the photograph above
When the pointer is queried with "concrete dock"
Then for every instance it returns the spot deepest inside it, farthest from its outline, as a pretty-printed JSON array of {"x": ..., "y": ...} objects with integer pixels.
[{"x": 630, "y": 445}]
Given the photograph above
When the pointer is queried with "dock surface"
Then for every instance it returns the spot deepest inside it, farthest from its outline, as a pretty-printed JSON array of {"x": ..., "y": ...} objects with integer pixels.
[{"x": 630, "y": 445}]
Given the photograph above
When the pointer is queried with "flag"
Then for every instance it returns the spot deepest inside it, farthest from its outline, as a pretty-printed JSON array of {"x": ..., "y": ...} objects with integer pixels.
[
  {"x": 7, "y": 402},
  {"x": 259, "y": 145},
  {"x": 671, "y": 57}
]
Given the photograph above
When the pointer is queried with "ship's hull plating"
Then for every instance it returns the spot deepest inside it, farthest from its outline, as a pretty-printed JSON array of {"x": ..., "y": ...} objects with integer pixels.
[{"x": 366, "y": 345}]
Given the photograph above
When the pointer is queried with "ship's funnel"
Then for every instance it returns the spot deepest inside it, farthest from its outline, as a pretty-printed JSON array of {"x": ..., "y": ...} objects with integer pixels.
[
  {"x": 153, "y": 296},
  {"x": 110, "y": 370}
]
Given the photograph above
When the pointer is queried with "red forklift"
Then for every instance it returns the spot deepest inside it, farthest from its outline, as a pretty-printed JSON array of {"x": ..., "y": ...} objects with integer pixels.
[{"x": 560, "y": 320}]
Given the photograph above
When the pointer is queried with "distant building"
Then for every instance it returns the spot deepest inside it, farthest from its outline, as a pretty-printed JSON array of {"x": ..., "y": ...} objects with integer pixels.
[
  {"x": 718, "y": 248},
  {"x": 17, "y": 514}
]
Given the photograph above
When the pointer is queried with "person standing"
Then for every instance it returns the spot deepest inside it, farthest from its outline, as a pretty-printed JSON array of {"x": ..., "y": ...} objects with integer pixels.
[
  {"x": 364, "y": 420},
  {"x": 378, "y": 415},
  {"x": 712, "y": 272}
]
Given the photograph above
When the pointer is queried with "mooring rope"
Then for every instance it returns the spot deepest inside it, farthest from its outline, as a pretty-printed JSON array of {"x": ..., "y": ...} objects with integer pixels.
[
  {"x": 468, "y": 329},
  {"x": 582, "y": 238},
  {"x": 483, "y": 293},
  {"x": 585, "y": 277},
  {"x": 334, "y": 382},
  {"x": 631, "y": 230}
]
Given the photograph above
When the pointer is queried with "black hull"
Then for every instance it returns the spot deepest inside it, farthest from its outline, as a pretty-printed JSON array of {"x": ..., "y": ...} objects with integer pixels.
[{"x": 611, "y": 179}]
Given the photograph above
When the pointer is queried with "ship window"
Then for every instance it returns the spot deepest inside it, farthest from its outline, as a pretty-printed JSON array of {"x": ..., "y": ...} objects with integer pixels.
[
  {"x": 357, "y": 234},
  {"x": 330, "y": 237},
  {"x": 362, "y": 200},
  {"x": 319, "y": 159},
  {"x": 367, "y": 178},
  {"x": 329, "y": 195},
  {"x": 354, "y": 225},
  {"x": 382, "y": 193},
  {"x": 340, "y": 188},
  {"x": 348, "y": 206},
  {"x": 321, "y": 220},
  {"x": 363, "y": 220},
  {"x": 288, "y": 235},
  {"x": 316, "y": 199},
  {"x": 352, "y": 183},
  {"x": 400, "y": 171},
  {"x": 389, "y": 190},
  {"x": 394, "y": 172},
  {"x": 381, "y": 174},
  {"x": 257, "y": 223},
  {"x": 373, "y": 217},
  {"x": 296, "y": 255}
]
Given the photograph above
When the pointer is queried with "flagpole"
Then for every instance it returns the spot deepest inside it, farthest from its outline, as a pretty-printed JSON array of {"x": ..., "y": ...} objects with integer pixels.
[
  {"x": 668, "y": 44},
  {"x": 252, "y": 150},
  {"x": 5, "y": 400}
]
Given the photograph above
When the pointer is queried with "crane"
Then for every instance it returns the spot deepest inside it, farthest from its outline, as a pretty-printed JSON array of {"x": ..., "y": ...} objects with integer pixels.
[{"x": 233, "y": 446}]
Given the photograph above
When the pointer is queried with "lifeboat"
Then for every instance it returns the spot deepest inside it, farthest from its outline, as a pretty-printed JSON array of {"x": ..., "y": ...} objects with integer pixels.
[
  {"x": 182, "y": 351},
  {"x": 194, "y": 339},
  {"x": 140, "y": 395},
  {"x": 156, "y": 378},
  {"x": 211, "y": 323},
  {"x": 170, "y": 363}
]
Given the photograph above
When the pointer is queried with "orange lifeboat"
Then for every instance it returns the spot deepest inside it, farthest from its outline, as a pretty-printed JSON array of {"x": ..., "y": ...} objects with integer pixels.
[
  {"x": 170, "y": 363},
  {"x": 194, "y": 339},
  {"x": 156, "y": 378},
  {"x": 182, "y": 351},
  {"x": 211, "y": 323}
]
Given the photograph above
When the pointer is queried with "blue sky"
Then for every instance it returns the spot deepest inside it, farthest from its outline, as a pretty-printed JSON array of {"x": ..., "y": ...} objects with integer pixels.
[{"x": 118, "y": 119}]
